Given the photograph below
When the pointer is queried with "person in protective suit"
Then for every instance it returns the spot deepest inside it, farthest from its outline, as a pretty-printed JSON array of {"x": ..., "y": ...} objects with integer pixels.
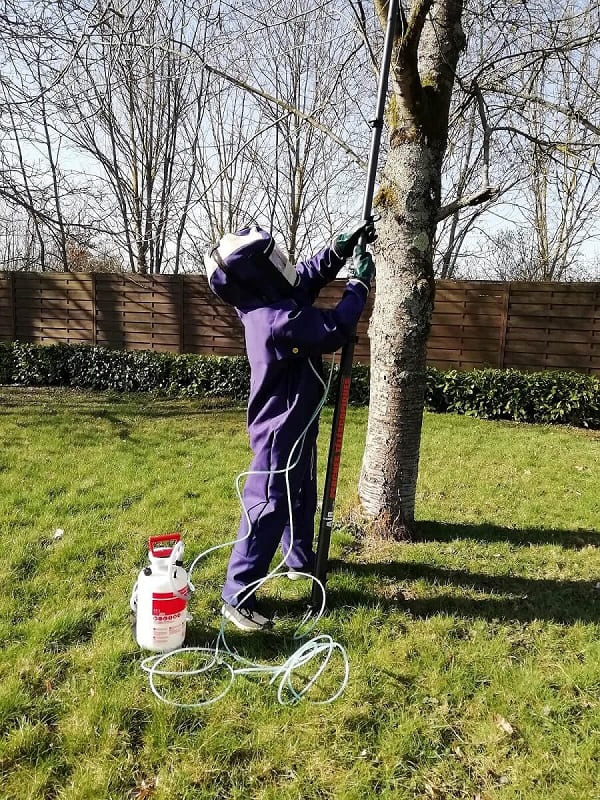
[{"x": 285, "y": 338}]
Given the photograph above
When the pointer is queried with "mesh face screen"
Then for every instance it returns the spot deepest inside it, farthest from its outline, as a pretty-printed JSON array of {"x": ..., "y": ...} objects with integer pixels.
[{"x": 281, "y": 262}]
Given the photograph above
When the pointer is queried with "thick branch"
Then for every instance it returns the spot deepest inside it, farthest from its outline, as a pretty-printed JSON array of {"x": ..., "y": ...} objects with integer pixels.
[
  {"x": 406, "y": 67},
  {"x": 409, "y": 43},
  {"x": 480, "y": 196}
]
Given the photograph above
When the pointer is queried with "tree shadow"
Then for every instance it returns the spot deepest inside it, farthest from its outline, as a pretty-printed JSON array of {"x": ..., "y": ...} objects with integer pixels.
[
  {"x": 562, "y": 601},
  {"x": 431, "y": 531}
]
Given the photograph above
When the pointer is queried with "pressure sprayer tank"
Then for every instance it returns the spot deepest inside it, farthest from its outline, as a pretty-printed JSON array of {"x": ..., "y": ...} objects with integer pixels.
[{"x": 160, "y": 596}]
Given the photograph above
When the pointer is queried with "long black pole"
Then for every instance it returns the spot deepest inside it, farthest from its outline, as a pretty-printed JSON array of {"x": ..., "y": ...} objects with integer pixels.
[{"x": 345, "y": 373}]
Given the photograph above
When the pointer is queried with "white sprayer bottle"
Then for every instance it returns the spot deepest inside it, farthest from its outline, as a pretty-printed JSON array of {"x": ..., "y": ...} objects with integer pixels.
[{"x": 159, "y": 598}]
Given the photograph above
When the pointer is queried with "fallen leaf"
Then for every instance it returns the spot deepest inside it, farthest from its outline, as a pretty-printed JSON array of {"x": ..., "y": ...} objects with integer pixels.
[
  {"x": 434, "y": 792},
  {"x": 504, "y": 725},
  {"x": 144, "y": 790}
]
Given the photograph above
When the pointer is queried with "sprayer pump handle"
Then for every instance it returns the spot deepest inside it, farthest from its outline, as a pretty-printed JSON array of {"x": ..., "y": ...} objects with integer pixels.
[{"x": 164, "y": 552}]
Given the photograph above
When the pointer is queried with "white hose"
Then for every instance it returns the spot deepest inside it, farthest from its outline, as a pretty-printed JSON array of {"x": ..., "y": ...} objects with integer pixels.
[{"x": 321, "y": 647}]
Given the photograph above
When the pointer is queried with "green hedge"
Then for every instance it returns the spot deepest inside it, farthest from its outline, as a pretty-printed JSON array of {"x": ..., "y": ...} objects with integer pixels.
[{"x": 544, "y": 397}]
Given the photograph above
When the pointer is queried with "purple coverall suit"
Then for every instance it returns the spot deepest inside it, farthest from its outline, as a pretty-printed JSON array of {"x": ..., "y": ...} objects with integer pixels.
[{"x": 284, "y": 343}]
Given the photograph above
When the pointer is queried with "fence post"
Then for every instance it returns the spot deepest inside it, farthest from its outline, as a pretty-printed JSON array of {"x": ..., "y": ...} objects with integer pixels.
[
  {"x": 503, "y": 324},
  {"x": 94, "y": 311},
  {"x": 13, "y": 302},
  {"x": 182, "y": 314}
]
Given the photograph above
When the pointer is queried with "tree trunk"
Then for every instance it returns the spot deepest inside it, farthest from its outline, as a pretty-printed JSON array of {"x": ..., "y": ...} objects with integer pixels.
[
  {"x": 398, "y": 331},
  {"x": 423, "y": 67}
]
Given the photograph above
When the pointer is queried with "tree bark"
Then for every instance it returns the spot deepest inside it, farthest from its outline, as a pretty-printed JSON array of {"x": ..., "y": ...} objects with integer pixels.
[
  {"x": 426, "y": 55},
  {"x": 398, "y": 331}
]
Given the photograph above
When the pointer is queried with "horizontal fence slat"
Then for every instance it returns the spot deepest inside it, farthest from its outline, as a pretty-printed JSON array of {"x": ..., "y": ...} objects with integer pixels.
[
  {"x": 32, "y": 314},
  {"x": 127, "y": 337},
  {"x": 139, "y": 327},
  {"x": 126, "y": 317},
  {"x": 472, "y": 345},
  {"x": 469, "y": 318},
  {"x": 454, "y": 364},
  {"x": 540, "y": 334},
  {"x": 226, "y": 351},
  {"x": 554, "y": 298},
  {"x": 458, "y": 332},
  {"x": 557, "y": 324},
  {"x": 158, "y": 347},
  {"x": 469, "y": 297},
  {"x": 548, "y": 286},
  {"x": 27, "y": 296},
  {"x": 56, "y": 280},
  {"x": 56, "y": 336},
  {"x": 49, "y": 303},
  {"x": 136, "y": 299},
  {"x": 210, "y": 341},
  {"x": 553, "y": 361},
  {"x": 52, "y": 324},
  {"x": 203, "y": 330},
  {"x": 557, "y": 348},
  {"x": 551, "y": 311},
  {"x": 475, "y": 355}
]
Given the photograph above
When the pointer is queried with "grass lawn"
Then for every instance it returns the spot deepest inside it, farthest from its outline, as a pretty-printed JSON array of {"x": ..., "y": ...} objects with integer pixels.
[{"x": 475, "y": 651}]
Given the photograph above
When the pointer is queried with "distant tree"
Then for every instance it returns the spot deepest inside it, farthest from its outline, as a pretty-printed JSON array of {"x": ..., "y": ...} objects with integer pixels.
[
  {"x": 523, "y": 115},
  {"x": 82, "y": 257},
  {"x": 134, "y": 107}
]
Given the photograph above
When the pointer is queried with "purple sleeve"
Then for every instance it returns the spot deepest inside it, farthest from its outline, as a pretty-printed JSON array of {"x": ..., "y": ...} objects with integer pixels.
[
  {"x": 318, "y": 271},
  {"x": 308, "y": 331}
]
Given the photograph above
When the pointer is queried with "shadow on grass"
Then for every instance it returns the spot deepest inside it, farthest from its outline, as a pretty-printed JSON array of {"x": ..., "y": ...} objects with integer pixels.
[
  {"x": 430, "y": 531},
  {"x": 100, "y": 403},
  {"x": 267, "y": 646},
  {"x": 513, "y": 597}
]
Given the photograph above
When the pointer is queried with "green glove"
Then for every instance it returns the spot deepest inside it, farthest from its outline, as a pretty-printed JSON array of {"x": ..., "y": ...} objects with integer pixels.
[
  {"x": 345, "y": 243},
  {"x": 363, "y": 266}
]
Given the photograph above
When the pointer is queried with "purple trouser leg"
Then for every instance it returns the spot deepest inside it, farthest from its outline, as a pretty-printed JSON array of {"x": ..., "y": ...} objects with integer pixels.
[
  {"x": 301, "y": 556},
  {"x": 265, "y": 498}
]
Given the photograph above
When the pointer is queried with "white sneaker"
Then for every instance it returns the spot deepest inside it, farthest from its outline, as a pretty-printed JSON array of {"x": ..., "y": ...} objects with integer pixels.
[
  {"x": 246, "y": 619},
  {"x": 296, "y": 575}
]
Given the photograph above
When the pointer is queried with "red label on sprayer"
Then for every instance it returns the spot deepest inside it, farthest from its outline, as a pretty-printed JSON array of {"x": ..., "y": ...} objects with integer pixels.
[{"x": 167, "y": 604}]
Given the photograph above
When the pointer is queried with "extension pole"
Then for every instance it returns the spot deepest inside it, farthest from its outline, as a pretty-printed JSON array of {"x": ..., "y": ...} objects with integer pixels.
[{"x": 345, "y": 372}]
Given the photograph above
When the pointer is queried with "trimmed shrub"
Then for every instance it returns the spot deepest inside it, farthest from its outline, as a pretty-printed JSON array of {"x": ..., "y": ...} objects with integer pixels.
[
  {"x": 7, "y": 365},
  {"x": 543, "y": 397}
]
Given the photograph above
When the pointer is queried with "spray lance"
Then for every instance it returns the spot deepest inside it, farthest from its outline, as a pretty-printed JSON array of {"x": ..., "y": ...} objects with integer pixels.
[{"x": 347, "y": 356}]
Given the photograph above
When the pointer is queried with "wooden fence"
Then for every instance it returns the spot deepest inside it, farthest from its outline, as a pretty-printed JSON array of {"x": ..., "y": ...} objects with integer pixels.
[{"x": 475, "y": 323}]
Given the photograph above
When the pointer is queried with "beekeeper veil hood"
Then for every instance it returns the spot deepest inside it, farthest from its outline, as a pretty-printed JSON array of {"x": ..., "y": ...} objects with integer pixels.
[{"x": 248, "y": 269}]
